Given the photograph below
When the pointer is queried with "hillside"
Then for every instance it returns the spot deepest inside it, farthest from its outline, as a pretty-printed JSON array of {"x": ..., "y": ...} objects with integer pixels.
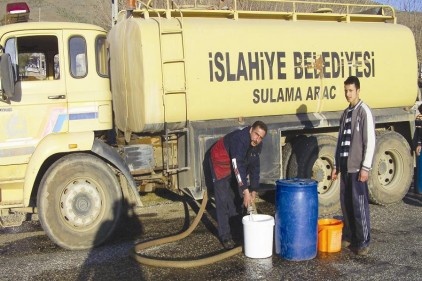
[
  {"x": 99, "y": 12},
  {"x": 87, "y": 11}
]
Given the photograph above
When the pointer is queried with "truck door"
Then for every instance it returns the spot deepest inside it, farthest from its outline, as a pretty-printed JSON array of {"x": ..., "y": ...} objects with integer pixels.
[
  {"x": 39, "y": 106},
  {"x": 87, "y": 83}
]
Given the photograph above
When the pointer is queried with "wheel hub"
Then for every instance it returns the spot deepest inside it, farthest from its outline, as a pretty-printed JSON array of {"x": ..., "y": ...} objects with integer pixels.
[
  {"x": 382, "y": 168},
  {"x": 386, "y": 169},
  {"x": 321, "y": 172},
  {"x": 318, "y": 174},
  {"x": 80, "y": 203}
]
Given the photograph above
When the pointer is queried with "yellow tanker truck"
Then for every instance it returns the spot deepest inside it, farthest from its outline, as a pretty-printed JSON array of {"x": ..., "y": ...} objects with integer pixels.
[{"x": 89, "y": 118}]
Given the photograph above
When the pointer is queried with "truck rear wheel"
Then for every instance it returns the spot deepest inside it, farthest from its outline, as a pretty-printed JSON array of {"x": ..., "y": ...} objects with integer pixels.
[
  {"x": 315, "y": 160},
  {"x": 392, "y": 169},
  {"x": 79, "y": 201}
]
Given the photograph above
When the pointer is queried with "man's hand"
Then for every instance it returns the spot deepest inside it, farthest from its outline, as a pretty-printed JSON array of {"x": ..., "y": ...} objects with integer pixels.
[
  {"x": 418, "y": 150},
  {"x": 253, "y": 196},
  {"x": 363, "y": 175},
  {"x": 247, "y": 198},
  {"x": 334, "y": 174}
]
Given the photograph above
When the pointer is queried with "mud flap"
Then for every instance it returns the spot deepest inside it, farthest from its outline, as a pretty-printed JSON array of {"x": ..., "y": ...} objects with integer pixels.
[{"x": 110, "y": 154}]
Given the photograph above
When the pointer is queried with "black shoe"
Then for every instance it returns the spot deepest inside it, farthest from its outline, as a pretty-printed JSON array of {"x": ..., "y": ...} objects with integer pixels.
[
  {"x": 363, "y": 251},
  {"x": 228, "y": 244},
  {"x": 345, "y": 244}
]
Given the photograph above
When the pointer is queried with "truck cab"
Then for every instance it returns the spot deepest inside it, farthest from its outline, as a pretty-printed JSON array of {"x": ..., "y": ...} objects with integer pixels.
[
  {"x": 54, "y": 106},
  {"x": 57, "y": 92}
]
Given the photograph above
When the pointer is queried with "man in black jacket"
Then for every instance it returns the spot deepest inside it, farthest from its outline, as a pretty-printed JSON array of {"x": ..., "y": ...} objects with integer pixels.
[{"x": 234, "y": 166}]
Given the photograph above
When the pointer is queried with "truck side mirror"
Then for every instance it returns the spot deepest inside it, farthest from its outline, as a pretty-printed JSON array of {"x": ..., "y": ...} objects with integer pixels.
[{"x": 7, "y": 75}]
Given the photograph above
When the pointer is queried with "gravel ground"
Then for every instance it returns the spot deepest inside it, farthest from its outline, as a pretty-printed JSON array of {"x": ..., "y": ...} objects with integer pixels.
[{"x": 26, "y": 253}]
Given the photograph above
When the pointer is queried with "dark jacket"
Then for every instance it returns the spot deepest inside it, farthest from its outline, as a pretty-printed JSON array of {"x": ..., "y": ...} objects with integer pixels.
[
  {"x": 418, "y": 123},
  {"x": 234, "y": 155}
]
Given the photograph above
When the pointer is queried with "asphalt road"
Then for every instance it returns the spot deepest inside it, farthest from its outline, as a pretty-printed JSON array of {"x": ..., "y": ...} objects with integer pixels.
[{"x": 26, "y": 253}]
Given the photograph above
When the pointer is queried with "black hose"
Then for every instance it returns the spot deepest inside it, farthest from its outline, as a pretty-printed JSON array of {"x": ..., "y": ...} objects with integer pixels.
[{"x": 136, "y": 253}]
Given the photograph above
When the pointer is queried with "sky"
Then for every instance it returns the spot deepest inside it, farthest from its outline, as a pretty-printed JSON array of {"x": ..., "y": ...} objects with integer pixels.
[{"x": 400, "y": 4}]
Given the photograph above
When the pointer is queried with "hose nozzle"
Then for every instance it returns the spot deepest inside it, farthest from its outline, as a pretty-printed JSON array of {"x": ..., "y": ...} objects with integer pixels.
[{"x": 251, "y": 209}]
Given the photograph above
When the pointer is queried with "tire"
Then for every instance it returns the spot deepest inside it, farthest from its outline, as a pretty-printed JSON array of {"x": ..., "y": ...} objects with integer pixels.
[
  {"x": 314, "y": 158},
  {"x": 79, "y": 201},
  {"x": 392, "y": 169},
  {"x": 286, "y": 154}
]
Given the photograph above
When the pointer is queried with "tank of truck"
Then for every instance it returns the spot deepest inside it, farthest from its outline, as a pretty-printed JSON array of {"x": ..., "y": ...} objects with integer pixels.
[{"x": 169, "y": 70}]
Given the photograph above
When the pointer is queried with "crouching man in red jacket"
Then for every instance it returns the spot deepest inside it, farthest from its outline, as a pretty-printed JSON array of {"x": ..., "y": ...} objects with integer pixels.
[{"x": 233, "y": 163}]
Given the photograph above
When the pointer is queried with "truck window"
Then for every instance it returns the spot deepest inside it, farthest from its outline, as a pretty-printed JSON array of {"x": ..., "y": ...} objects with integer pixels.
[
  {"x": 78, "y": 63},
  {"x": 101, "y": 53},
  {"x": 33, "y": 56}
]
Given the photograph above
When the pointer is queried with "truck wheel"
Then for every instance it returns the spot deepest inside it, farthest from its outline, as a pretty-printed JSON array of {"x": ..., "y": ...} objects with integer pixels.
[
  {"x": 392, "y": 169},
  {"x": 79, "y": 201},
  {"x": 315, "y": 160}
]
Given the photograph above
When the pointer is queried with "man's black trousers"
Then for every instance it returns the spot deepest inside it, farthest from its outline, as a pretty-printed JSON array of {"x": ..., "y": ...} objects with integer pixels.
[{"x": 355, "y": 208}]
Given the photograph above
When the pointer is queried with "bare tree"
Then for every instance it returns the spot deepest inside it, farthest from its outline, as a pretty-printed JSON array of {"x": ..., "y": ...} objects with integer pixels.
[
  {"x": 411, "y": 16},
  {"x": 411, "y": 5}
]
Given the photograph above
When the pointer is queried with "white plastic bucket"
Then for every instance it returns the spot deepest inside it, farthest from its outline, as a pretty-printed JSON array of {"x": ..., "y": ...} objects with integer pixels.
[{"x": 258, "y": 236}]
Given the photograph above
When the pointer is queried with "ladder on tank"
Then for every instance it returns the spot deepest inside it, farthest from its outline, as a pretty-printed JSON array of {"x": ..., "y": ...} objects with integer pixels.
[{"x": 174, "y": 83}]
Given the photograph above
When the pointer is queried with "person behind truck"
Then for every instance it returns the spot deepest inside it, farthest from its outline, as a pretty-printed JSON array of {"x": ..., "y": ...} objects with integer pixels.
[
  {"x": 418, "y": 124},
  {"x": 353, "y": 159},
  {"x": 234, "y": 166}
]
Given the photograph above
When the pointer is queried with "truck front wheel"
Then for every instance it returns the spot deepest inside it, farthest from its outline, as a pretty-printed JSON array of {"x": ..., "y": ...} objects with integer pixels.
[{"x": 79, "y": 201}]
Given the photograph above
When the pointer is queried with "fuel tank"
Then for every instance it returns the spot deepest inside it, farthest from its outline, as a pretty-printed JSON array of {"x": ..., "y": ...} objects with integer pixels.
[{"x": 169, "y": 70}]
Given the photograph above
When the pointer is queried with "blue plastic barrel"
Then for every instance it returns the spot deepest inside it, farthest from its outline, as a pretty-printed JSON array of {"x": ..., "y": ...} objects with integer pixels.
[
  {"x": 418, "y": 185},
  {"x": 296, "y": 219}
]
